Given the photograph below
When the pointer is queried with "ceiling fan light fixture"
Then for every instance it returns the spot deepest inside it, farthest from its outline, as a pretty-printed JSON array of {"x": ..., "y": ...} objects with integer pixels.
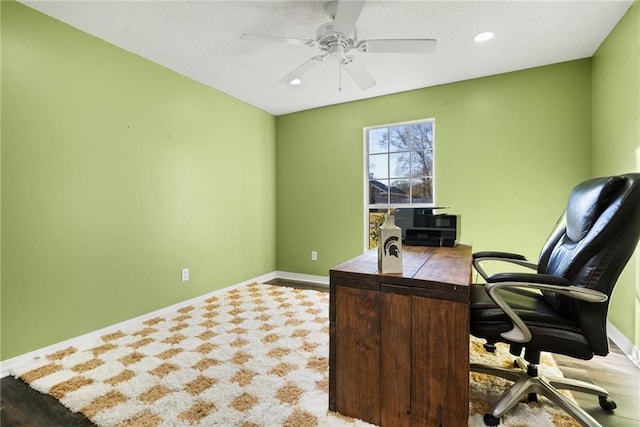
[{"x": 483, "y": 37}]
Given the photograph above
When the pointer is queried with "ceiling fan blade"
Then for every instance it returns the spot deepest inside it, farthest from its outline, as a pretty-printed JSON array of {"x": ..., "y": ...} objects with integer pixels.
[
  {"x": 302, "y": 69},
  {"x": 398, "y": 46},
  {"x": 278, "y": 39},
  {"x": 358, "y": 73},
  {"x": 347, "y": 14}
]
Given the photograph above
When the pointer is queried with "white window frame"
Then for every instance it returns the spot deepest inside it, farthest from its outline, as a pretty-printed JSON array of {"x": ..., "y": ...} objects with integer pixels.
[{"x": 367, "y": 206}]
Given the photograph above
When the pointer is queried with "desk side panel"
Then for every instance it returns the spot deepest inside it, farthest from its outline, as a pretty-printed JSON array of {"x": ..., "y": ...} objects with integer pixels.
[
  {"x": 395, "y": 348},
  {"x": 356, "y": 343},
  {"x": 440, "y": 336}
]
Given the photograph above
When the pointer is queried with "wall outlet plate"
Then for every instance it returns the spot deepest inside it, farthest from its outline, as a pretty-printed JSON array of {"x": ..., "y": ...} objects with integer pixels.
[{"x": 185, "y": 274}]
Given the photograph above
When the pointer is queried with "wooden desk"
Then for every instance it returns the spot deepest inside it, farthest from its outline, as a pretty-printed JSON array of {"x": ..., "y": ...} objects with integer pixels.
[{"x": 399, "y": 343}]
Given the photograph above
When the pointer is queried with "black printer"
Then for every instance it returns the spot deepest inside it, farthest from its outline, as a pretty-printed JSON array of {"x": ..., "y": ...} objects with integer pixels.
[{"x": 421, "y": 227}]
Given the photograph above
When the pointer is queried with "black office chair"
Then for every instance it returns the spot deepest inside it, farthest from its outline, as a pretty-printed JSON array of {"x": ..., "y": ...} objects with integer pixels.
[{"x": 562, "y": 308}]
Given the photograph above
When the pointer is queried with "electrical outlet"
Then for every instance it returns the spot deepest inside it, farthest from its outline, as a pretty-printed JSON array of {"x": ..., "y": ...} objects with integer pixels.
[
  {"x": 314, "y": 256},
  {"x": 185, "y": 274}
]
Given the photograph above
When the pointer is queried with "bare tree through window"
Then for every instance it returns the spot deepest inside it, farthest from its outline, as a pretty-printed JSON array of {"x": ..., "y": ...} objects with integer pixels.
[{"x": 401, "y": 164}]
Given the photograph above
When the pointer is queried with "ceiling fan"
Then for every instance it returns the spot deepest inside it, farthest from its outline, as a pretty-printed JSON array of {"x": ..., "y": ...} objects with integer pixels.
[{"x": 338, "y": 39}]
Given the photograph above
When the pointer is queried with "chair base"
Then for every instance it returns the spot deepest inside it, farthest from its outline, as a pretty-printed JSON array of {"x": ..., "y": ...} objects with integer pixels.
[{"x": 545, "y": 386}]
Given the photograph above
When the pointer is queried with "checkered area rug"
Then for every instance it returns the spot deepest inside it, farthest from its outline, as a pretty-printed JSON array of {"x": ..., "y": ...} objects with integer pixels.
[{"x": 255, "y": 355}]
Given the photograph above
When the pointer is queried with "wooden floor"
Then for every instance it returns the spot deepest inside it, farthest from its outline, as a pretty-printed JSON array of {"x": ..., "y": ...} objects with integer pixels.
[
  {"x": 618, "y": 375},
  {"x": 23, "y": 406}
]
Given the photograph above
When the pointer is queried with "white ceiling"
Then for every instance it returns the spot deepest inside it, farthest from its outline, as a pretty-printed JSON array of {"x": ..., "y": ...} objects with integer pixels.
[{"x": 200, "y": 39}]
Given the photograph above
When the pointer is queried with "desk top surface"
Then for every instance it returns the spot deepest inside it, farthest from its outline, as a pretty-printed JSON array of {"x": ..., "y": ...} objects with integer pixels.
[{"x": 423, "y": 267}]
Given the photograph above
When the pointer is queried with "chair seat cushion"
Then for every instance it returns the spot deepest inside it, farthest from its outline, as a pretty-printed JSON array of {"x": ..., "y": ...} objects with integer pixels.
[{"x": 551, "y": 332}]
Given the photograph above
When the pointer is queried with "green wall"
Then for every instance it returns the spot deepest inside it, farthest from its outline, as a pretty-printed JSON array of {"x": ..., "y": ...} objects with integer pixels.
[
  {"x": 0, "y": 183},
  {"x": 616, "y": 142},
  {"x": 508, "y": 150},
  {"x": 116, "y": 173}
]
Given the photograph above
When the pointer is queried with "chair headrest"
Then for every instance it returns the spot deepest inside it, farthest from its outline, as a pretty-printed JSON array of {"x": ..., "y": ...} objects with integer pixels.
[{"x": 587, "y": 201}]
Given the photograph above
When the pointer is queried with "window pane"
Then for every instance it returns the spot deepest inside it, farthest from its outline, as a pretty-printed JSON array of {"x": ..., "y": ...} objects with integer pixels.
[
  {"x": 378, "y": 191},
  {"x": 422, "y": 136},
  {"x": 422, "y": 163},
  {"x": 399, "y": 191},
  {"x": 421, "y": 190},
  {"x": 399, "y": 138},
  {"x": 378, "y": 140},
  {"x": 379, "y": 166},
  {"x": 399, "y": 165}
]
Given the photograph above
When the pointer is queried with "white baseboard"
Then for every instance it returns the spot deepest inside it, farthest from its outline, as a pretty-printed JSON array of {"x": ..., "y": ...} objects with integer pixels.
[
  {"x": 302, "y": 277},
  {"x": 625, "y": 344},
  {"x": 6, "y": 366}
]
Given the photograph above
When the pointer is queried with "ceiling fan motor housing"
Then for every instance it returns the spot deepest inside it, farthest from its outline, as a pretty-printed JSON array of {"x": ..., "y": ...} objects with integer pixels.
[{"x": 332, "y": 41}]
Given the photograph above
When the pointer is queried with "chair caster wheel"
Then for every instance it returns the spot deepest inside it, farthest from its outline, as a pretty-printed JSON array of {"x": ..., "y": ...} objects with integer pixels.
[
  {"x": 490, "y": 420},
  {"x": 490, "y": 347},
  {"x": 607, "y": 405}
]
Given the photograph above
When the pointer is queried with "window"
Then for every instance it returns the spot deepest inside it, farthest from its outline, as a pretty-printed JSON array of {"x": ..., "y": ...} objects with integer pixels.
[{"x": 399, "y": 168}]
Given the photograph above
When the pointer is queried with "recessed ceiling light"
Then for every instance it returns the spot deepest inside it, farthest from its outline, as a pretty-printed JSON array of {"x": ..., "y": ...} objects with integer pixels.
[
  {"x": 295, "y": 82},
  {"x": 483, "y": 37}
]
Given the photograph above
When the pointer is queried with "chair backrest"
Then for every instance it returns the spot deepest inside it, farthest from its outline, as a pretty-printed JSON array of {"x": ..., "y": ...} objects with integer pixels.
[{"x": 590, "y": 245}]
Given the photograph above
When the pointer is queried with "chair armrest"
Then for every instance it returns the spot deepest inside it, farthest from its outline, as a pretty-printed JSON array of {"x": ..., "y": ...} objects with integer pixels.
[
  {"x": 520, "y": 333},
  {"x": 501, "y": 255},
  {"x": 528, "y": 278},
  {"x": 512, "y": 258}
]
